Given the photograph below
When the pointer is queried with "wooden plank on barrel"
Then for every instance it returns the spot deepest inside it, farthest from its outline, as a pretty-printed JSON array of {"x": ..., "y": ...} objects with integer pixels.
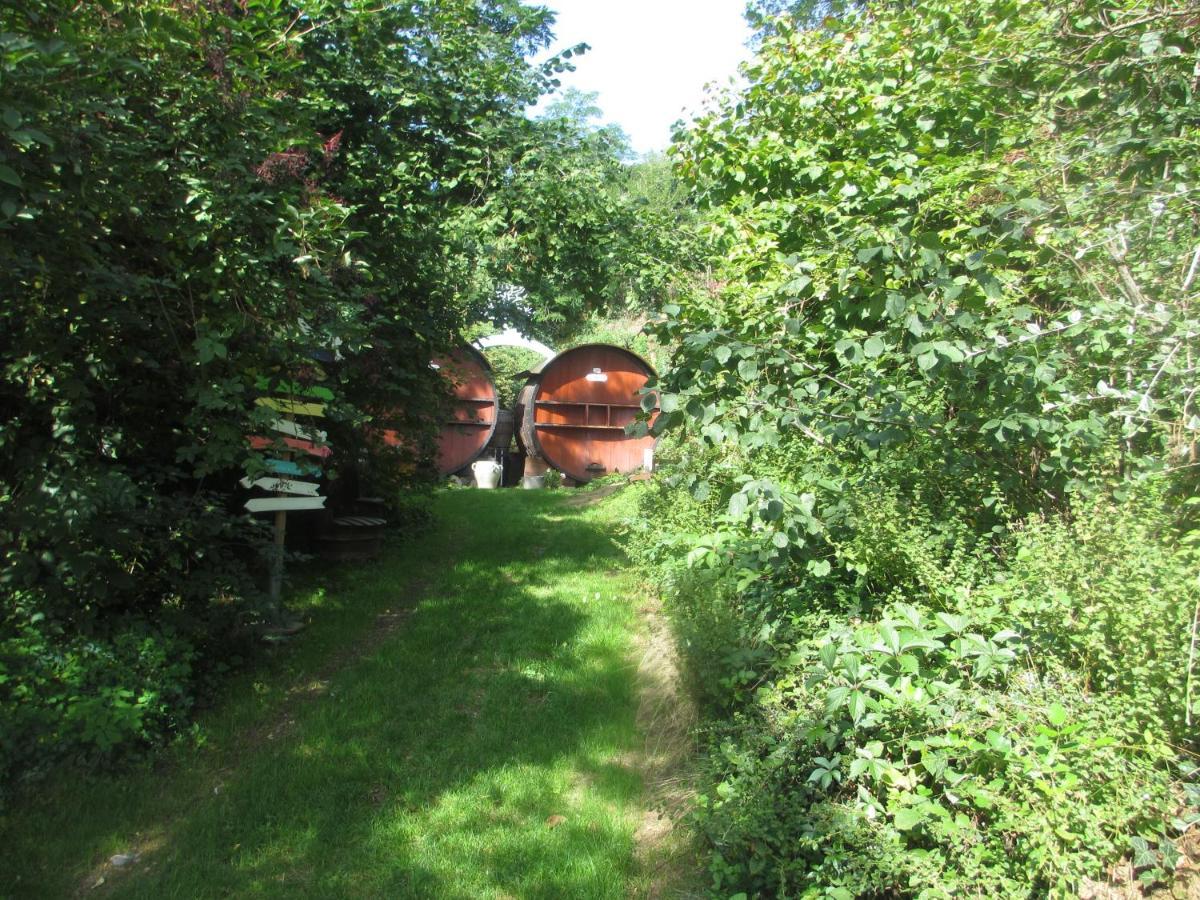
[
  {"x": 283, "y": 485},
  {"x": 258, "y": 442},
  {"x": 295, "y": 407},
  {"x": 284, "y": 504}
]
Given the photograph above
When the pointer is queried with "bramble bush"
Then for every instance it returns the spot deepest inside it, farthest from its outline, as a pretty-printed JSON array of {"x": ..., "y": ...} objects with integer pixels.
[
  {"x": 935, "y": 742},
  {"x": 92, "y": 700},
  {"x": 923, "y": 524}
]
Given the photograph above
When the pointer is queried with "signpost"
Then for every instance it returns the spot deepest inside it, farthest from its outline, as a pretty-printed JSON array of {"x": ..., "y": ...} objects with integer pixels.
[{"x": 304, "y": 494}]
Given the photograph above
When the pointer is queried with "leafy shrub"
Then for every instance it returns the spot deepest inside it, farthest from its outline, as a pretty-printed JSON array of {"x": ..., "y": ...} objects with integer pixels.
[
  {"x": 91, "y": 700},
  {"x": 1111, "y": 595},
  {"x": 933, "y": 782},
  {"x": 951, "y": 327}
]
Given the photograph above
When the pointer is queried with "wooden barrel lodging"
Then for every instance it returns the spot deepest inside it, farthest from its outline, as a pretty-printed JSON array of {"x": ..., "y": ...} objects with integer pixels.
[
  {"x": 473, "y": 415},
  {"x": 574, "y": 409}
]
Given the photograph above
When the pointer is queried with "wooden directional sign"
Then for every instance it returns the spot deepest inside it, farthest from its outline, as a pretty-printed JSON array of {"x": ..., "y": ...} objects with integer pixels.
[
  {"x": 296, "y": 431},
  {"x": 284, "y": 504},
  {"x": 295, "y": 407},
  {"x": 258, "y": 442},
  {"x": 287, "y": 467},
  {"x": 298, "y": 390},
  {"x": 283, "y": 485}
]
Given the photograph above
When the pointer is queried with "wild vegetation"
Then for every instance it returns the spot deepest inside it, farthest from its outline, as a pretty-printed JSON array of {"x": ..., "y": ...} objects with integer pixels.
[
  {"x": 196, "y": 198},
  {"x": 928, "y": 536},
  {"x": 926, "y": 527}
]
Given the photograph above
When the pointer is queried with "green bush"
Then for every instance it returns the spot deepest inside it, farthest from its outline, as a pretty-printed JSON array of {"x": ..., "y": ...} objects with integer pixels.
[
  {"x": 1110, "y": 594},
  {"x": 94, "y": 700},
  {"x": 959, "y": 742},
  {"x": 940, "y": 613}
]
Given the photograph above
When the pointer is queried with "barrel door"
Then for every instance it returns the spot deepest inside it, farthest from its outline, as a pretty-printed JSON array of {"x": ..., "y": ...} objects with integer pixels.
[
  {"x": 471, "y": 418},
  {"x": 575, "y": 414}
]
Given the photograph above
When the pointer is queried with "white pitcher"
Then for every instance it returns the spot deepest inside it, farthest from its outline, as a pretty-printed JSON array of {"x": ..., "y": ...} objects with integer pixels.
[{"x": 487, "y": 473}]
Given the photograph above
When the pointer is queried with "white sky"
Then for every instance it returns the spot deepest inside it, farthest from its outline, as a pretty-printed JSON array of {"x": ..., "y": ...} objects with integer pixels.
[{"x": 650, "y": 59}]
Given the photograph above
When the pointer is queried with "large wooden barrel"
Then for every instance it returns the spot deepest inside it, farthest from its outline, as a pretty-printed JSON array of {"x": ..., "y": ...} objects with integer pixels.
[
  {"x": 471, "y": 420},
  {"x": 574, "y": 408}
]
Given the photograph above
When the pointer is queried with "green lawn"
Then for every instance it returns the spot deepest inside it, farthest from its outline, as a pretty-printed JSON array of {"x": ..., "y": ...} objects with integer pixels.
[{"x": 457, "y": 721}]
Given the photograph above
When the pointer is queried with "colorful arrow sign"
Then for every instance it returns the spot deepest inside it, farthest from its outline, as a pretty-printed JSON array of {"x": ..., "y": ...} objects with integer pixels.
[
  {"x": 287, "y": 467},
  {"x": 284, "y": 504},
  {"x": 283, "y": 485},
  {"x": 258, "y": 442},
  {"x": 296, "y": 431},
  {"x": 295, "y": 389},
  {"x": 295, "y": 407}
]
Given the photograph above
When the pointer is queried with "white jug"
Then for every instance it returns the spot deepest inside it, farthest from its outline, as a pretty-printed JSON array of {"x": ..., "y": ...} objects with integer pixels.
[{"x": 487, "y": 473}]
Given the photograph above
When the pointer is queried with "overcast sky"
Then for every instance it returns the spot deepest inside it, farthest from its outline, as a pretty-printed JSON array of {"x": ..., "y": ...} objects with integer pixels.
[{"x": 650, "y": 59}]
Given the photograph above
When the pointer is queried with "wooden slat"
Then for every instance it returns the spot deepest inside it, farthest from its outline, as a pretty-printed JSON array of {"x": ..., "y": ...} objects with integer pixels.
[
  {"x": 578, "y": 425},
  {"x": 283, "y": 485},
  {"x": 295, "y": 389},
  {"x": 284, "y": 504},
  {"x": 295, "y": 430},
  {"x": 287, "y": 467},
  {"x": 295, "y": 407},
  {"x": 258, "y": 442}
]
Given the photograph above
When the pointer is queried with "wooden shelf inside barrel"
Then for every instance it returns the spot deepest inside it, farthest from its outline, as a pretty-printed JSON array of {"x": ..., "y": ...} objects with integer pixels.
[
  {"x": 580, "y": 425},
  {"x": 582, "y": 403}
]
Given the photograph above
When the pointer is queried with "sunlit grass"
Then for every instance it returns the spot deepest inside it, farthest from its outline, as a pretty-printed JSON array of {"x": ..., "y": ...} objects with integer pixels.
[{"x": 480, "y": 749}]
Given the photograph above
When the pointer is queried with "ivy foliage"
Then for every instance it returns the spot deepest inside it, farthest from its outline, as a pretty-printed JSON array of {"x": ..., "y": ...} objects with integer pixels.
[{"x": 930, "y": 423}]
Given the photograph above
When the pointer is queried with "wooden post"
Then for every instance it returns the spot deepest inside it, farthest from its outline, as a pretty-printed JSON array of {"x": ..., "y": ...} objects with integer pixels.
[
  {"x": 277, "y": 553},
  {"x": 275, "y": 582}
]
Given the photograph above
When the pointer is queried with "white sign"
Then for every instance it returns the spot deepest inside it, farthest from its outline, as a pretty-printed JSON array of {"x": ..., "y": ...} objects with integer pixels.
[
  {"x": 284, "y": 504},
  {"x": 283, "y": 485}
]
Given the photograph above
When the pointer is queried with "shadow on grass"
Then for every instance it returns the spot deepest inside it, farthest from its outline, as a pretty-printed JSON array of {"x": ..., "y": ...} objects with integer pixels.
[{"x": 473, "y": 753}]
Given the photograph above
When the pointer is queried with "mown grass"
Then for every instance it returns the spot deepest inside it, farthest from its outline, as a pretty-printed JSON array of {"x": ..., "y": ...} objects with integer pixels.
[{"x": 457, "y": 721}]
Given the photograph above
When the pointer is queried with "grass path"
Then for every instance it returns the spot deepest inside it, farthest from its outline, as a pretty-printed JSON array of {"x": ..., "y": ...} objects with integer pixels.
[{"x": 461, "y": 719}]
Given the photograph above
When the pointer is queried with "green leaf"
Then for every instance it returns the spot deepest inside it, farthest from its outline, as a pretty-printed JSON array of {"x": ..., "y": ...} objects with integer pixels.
[
  {"x": 829, "y": 655},
  {"x": 873, "y": 347},
  {"x": 8, "y": 176},
  {"x": 1057, "y": 715},
  {"x": 858, "y": 705},
  {"x": 908, "y": 818},
  {"x": 819, "y": 567},
  {"x": 927, "y": 361},
  {"x": 748, "y": 369}
]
